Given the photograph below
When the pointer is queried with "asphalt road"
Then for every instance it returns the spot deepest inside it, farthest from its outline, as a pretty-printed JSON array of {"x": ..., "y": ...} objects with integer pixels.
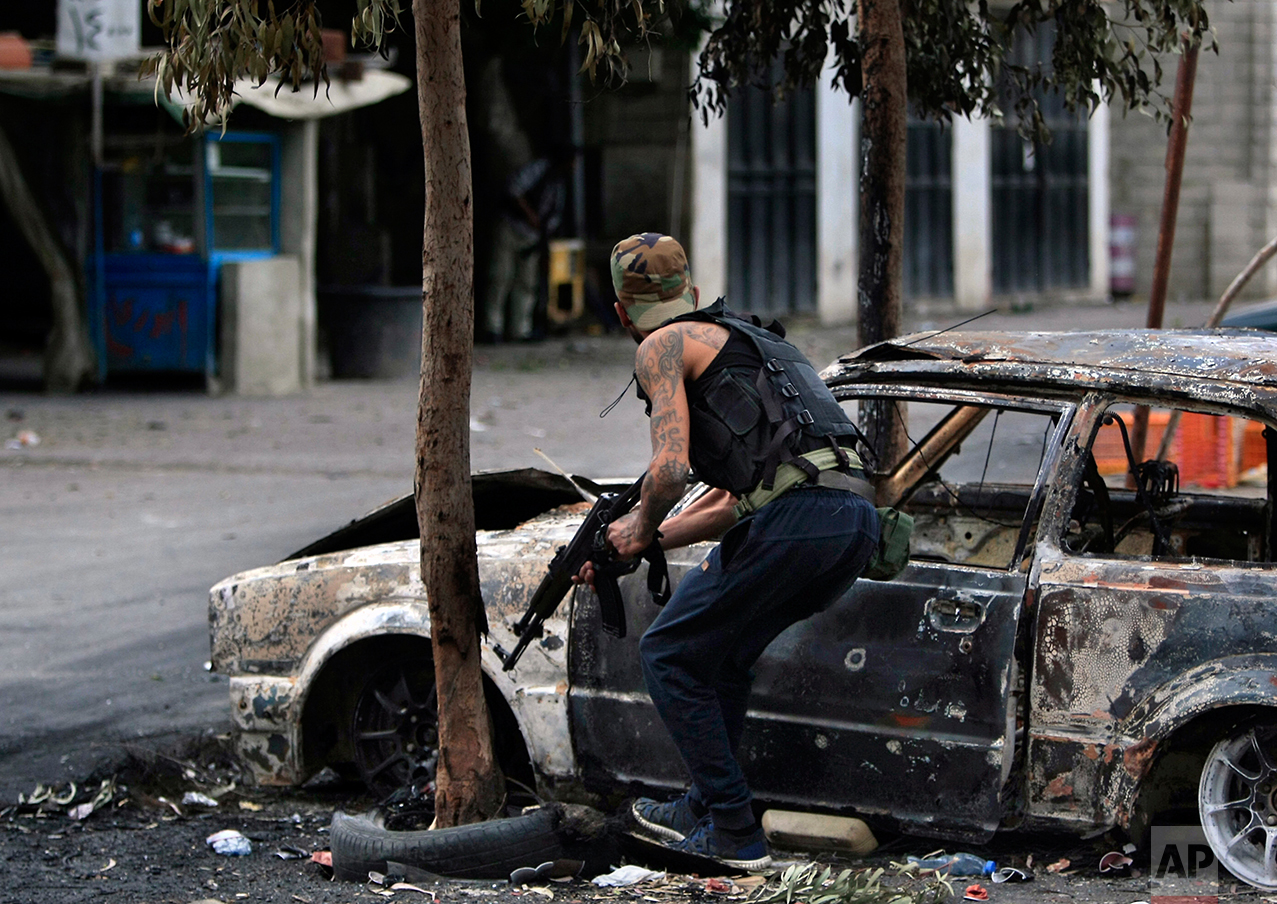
[{"x": 133, "y": 503}]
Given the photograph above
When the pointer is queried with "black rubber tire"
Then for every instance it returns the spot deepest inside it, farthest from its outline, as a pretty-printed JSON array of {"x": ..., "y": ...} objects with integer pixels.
[{"x": 482, "y": 850}]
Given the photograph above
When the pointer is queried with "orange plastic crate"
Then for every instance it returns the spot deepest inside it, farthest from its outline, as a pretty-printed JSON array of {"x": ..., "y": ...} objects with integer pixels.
[{"x": 1211, "y": 451}]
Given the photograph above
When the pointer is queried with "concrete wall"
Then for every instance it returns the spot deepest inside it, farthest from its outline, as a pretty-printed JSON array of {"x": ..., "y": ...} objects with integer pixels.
[
  {"x": 262, "y": 326},
  {"x": 1228, "y": 204}
]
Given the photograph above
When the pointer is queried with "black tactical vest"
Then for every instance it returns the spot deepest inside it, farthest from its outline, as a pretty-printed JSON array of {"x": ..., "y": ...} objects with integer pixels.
[{"x": 746, "y": 420}]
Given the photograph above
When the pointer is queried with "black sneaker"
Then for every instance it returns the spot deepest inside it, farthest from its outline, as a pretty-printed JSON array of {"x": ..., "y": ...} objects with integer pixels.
[
  {"x": 672, "y": 820},
  {"x": 749, "y": 852}
]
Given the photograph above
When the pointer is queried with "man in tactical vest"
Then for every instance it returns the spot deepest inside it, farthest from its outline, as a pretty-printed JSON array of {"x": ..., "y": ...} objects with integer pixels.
[{"x": 745, "y": 412}]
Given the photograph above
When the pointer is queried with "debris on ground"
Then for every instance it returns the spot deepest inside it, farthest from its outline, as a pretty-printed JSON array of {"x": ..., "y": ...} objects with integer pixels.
[
  {"x": 23, "y": 440},
  {"x": 1011, "y": 874},
  {"x": 627, "y": 875},
  {"x": 230, "y": 843},
  {"x": 811, "y": 881},
  {"x": 196, "y": 799},
  {"x": 1114, "y": 862},
  {"x": 819, "y": 832}
]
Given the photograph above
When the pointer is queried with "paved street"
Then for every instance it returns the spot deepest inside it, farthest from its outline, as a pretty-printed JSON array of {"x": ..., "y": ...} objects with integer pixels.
[{"x": 134, "y": 503}]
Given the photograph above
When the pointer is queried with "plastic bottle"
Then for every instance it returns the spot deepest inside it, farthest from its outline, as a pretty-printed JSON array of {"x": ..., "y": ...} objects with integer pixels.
[{"x": 960, "y": 864}]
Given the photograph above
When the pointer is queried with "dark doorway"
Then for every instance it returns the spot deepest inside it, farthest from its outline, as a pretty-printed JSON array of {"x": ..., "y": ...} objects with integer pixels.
[
  {"x": 771, "y": 201},
  {"x": 928, "y": 250},
  {"x": 1040, "y": 192}
]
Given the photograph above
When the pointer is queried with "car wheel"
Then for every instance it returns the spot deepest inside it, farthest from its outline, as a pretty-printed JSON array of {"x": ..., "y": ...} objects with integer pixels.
[
  {"x": 1237, "y": 802},
  {"x": 395, "y": 728}
]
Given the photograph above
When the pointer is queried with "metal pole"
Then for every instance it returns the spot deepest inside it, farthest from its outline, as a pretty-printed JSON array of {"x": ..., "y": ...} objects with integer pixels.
[
  {"x": 99, "y": 240},
  {"x": 1181, "y": 113}
]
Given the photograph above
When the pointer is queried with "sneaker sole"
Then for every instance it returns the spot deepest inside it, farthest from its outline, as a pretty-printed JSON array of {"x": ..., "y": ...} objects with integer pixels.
[
  {"x": 760, "y": 863},
  {"x": 656, "y": 828}
]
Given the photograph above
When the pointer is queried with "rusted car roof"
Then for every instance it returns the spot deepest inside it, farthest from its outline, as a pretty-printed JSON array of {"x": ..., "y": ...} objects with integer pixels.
[{"x": 1230, "y": 365}]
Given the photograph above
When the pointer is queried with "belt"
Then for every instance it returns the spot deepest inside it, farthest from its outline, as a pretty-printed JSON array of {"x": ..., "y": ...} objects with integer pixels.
[{"x": 789, "y": 475}]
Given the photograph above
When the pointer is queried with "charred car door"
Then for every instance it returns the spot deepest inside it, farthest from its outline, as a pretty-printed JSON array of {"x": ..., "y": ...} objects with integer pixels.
[
  {"x": 896, "y": 700},
  {"x": 1155, "y": 599}
]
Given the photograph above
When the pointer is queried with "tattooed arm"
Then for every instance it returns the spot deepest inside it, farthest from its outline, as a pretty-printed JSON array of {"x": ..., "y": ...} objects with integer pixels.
[{"x": 661, "y": 369}]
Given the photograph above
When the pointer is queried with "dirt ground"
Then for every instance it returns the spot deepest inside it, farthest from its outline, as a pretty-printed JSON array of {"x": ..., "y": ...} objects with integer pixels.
[{"x": 142, "y": 844}]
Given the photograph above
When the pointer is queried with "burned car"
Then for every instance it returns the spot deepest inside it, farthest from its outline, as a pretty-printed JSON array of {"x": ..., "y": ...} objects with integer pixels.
[{"x": 1085, "y": 635}]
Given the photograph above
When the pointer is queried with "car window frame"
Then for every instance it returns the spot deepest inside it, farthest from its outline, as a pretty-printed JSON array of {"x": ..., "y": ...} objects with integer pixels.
[
  {"x": 1065, "y": 408},
  {"x": 1089, "y": 416}
]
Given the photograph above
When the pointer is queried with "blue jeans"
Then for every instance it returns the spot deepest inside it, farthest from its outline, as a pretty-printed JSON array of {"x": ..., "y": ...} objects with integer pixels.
[{"x": 784, "y": 563}]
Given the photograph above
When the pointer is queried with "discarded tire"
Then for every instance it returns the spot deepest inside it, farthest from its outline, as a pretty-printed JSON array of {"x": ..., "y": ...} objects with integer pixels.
[{"x": 482, "y": 850}]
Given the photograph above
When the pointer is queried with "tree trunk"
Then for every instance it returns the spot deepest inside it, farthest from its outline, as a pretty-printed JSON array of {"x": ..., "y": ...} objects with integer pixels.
[
  {"x": 469, "y": 782},
  {"x": 884, "y": 100},
  {"x": 68, "y": 357}
]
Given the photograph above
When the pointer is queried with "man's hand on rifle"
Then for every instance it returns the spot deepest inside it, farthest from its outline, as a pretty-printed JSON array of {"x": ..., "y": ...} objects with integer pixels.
[{"x": 624, "y": 543}]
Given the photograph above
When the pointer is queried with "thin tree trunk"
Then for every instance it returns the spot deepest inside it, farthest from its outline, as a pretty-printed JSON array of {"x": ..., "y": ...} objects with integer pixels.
[
  {"x": 884, "y": 100},
  {"x": 68, "y": 357},
  {"x": 469, "y": 782}
]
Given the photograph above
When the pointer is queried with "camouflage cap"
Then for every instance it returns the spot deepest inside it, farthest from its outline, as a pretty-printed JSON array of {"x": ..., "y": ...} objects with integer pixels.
[{"x": 652, "y": 279}]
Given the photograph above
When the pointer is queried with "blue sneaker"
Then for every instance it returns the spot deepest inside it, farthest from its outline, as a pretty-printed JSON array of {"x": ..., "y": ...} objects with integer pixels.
[
  {"x": 672, "y": 820},
  {"x": 748, "y": 852}
]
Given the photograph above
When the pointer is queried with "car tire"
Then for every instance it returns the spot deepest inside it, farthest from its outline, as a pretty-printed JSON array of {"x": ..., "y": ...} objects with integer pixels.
[
  {"x": 1237, "y": 803},
  {"x": 484, "y": 850}
]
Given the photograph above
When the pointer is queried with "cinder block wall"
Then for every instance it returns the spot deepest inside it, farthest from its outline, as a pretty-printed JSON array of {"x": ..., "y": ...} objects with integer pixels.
[{"x": 1228, "y": 204}]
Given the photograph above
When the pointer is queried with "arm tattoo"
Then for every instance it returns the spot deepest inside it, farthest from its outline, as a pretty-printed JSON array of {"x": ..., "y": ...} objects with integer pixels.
[{"x": 660, "y": 369}]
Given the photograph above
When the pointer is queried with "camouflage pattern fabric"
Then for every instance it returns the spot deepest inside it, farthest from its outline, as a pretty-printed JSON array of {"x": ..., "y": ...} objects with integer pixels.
[{"x": 652, "y": 279}]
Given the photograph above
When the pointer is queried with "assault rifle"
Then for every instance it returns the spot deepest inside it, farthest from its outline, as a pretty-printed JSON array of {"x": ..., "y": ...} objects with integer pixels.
[{"x": 589, "y": 544}]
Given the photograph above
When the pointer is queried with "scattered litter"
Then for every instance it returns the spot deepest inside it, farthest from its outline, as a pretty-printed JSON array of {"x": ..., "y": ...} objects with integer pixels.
[
  {"x": 328, "y": 777},
  {"x": 1060, "y": 865},
  {"x": 627, "y": 875},
  {"x": 1129, "y": 848},
  {"x": 323, "y": 858},
  {"x": 230, "y": 843},
  {"x": 250, "y": 806},
  {"x": 24, "y": 440},
  {"x": 404, "y": 886},
  {"x": 288, "y": 852},
  {"x": 959, "y": 864},
  {"x": 719, "y": 886},
  {"x": 110, "y": 864},
  {"x": 64, "y": 798},
  {"x": 172, "y": 806},
  {"x": 1115, "y": 862},
  {"x": 396, "y": 884},
  {"x": 526, "y": 875},
  {"x": 196, "y": 799},
  {"x": 477, "y": 426},
  {"x": 1012, "y": 874},
  {"x": 818, "y": 832},
  {"x": 976, "y": 893},
  {"x": 80, "y": 811}
]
